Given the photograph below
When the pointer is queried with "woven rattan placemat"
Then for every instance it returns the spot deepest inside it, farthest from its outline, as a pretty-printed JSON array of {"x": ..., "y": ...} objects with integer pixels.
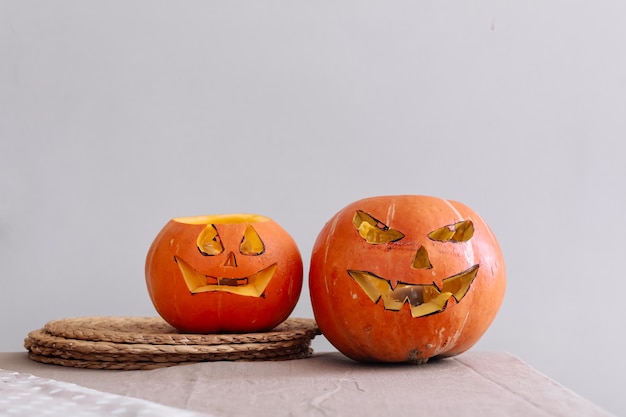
[
  {"x": 149, "y": 342},
  {"x": 154, "y": 330}
]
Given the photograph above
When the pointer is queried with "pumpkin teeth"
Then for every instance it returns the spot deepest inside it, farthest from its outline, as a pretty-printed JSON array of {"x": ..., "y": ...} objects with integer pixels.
[
  {"x": 253, "y": 285},
  {"x": 233, "y": 282},
  {"x": 433, "y": 306},
  {"x": 423, "y": 299},
  {"x": 460, "y": 283}
]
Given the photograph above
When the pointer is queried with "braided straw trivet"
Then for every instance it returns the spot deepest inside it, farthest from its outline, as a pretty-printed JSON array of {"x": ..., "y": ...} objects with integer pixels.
[
  {"x": 130, "y": 366},
  {"x": 154, "y": 330},
  {"x": 126, "y": 343}
]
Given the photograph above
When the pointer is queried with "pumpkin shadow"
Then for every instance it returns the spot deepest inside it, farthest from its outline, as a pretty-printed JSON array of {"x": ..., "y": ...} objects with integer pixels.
[{"x": 338, "y": 360}]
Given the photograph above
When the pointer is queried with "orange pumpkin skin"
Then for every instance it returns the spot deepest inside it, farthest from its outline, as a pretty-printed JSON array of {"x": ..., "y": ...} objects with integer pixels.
[
  {"x": 198, "y": 292},
  {"x": 377, "y": 330}
]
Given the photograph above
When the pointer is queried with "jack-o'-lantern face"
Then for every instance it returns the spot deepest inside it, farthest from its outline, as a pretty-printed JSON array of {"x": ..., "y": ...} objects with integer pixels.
[
  {"x": 236, "y": 273},
  {"x": 405, "y": 278},
  {"x": 423, "y": 299},
  {"x": 225, "y": 258}
]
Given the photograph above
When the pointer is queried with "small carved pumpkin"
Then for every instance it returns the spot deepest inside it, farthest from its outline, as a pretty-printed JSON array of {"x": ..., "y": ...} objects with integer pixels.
[
  {"x": 405, "y": 278},
  {"x": 224, "y": 273}
]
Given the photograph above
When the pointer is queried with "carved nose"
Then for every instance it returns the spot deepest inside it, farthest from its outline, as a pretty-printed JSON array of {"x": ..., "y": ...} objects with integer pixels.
[
  {"x": 421, "y": 260},
  {"x": 230, "y": 260}
]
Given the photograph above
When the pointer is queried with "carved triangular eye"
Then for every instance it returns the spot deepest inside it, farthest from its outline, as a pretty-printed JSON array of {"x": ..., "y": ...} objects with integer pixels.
[
  {"x": 251, "y": 243},
  {"x": 209, "y": 242},
  {"x": 458, "y": 232},
  {"x": 373, "y": 231}
]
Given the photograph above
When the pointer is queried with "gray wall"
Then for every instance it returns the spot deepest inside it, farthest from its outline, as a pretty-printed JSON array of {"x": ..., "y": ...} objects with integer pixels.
[{"x": 116, "y": 116}]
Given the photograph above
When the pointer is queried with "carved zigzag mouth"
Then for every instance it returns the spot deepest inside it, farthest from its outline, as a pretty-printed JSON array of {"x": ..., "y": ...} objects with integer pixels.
[
  {"x": 253, "y": 285},
  {"x": 423, "y": 299}
]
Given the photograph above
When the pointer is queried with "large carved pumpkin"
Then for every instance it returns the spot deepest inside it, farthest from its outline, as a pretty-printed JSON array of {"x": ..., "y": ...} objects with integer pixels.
[
  {"x": 224, "y": 273},
  {"x": 405, "y": 278}
]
